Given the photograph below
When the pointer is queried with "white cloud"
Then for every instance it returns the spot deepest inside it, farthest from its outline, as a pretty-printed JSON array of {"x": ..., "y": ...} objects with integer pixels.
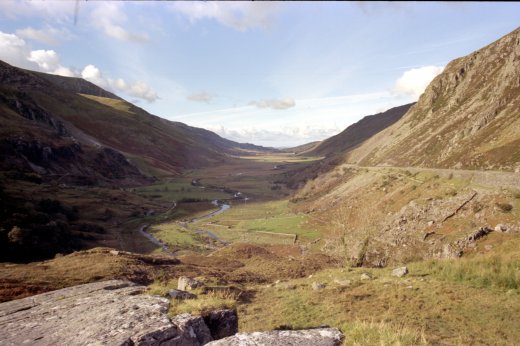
[
  {"x": 202, "y": 97},
  {"x": 57, "y": 11},
  {"x": 47, "y": 60},
  {"x": 240, "y": 15},
  {"x": 47, "y": 36},
  {"x": 274, "y": 104},
  {"x": 17, "y": 52},
  {"x": 136, "y": 89},
  {"x": 286, "y": 136},
  {"x": 309, "y": 120},
  {"x": 64, "y": 71},
  {"x": 414, "y": 81},
  {"x": 141, "y": 90},
  {"x": 109, "y": 17}
]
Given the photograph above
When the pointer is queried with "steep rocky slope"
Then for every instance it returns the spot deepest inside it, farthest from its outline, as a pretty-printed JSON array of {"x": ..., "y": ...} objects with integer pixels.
[
  {"x": 441, "y": 178},
  {"x": 468, "y": 117}
]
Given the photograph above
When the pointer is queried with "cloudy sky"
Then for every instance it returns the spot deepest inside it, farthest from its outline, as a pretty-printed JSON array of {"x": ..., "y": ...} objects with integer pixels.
[{"x": 270, "y": 73}]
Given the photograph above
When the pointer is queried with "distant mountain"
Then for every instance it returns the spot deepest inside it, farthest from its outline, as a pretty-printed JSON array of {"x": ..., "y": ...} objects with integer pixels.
[
  {"x": 61, "y": 125},
  {"x": 302, "y": 149},
  {"x": 357, "y": 133},
  {"x": 468, "y": 117}
]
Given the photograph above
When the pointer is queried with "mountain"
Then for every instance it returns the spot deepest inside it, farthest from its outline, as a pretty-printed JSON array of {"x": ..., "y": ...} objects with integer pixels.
[
  {"x": 401, "y": 195},
  {"x": 357, "y": 133},
  {"x": 468, "y": 117},
  {"x": 62, "y": 125}
]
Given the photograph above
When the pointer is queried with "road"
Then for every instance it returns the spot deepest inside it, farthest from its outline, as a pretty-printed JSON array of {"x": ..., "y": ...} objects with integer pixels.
[{"x": 487, "y": 178}]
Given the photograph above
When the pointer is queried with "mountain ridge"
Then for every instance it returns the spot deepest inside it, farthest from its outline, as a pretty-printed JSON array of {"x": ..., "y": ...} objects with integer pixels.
[
  {"x": 60, "y": 111},
  {"x": 466, "y": 118}
]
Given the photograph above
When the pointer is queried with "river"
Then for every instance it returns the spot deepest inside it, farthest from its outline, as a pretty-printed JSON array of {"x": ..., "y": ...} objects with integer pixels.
[{"x": 222, "y": 208}]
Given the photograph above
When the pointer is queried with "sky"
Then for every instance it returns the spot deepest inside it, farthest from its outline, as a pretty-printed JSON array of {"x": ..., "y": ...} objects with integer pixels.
[{"x": 276, "y": 74}]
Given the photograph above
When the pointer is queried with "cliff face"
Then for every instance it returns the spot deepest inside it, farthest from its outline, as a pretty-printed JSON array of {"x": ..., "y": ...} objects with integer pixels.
[{"x": 468, "y": 117}]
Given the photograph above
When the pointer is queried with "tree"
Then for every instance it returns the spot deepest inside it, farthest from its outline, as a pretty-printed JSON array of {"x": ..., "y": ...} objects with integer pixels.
[{"x": 16, "y": 235}]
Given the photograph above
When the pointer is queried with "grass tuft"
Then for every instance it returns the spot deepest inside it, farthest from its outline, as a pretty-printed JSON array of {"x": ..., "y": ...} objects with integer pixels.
[
  {"x": 493, "y": 271},
  {"x": 204, "y": 303},
  {"x": 381, "y": 333}
]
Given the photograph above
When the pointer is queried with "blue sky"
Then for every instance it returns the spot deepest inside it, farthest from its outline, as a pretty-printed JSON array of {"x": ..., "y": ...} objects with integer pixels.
[{"x": 269, "y": 73}]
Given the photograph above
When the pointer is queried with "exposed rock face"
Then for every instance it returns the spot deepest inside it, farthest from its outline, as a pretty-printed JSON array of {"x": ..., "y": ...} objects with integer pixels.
[
  {"x": 311, "y": 337},
  {"x": 193, "y": 330},
  {"x": 111, "y": 312},
  {"x": 105, "y": 313},
  {"x": 466, "y": 118},
  {"x": 116, "y": 313}
]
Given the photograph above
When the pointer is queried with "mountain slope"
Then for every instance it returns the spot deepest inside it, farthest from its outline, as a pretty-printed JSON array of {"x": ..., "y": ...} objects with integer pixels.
[
  {"x": 468, "y": 117},
  {"x": 357, "y": 133},
  {"x": 401, "y": 196},
  {"x": 59, "y": 111}
]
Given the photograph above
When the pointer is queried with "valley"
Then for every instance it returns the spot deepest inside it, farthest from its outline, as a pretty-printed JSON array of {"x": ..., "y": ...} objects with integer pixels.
[
  {"x": 273, "y": 245},
  {"x": 402, "y": 229}
]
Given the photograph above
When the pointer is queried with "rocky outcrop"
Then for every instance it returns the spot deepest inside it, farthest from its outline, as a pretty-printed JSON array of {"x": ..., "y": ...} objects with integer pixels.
[
  {"x": 186, "y": 284},
  {"x": 310, "y": 337},
  {"x": 110, "y": 312},
  {"x": 106, "y": 313},
  {"x": 117, "y": 313},
  {"x": 75, "y": 163}
]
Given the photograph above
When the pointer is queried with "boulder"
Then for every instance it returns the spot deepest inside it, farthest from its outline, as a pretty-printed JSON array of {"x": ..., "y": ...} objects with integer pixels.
[
  {"x": 318, "y": 286},
  {"x": 342, "y": 283},
  {"x": 222, "y": 323},
  {"x": 186, "y": 284},
  {"x": 400, "y": 272},
  {"x": 178, "y": 294},
  {"x": 366, "y": 276},
  {"x": 110, "y": 312},
  {"x": 192, "y": 330},
  {"x": 501, "y": 228},
  {"x": 309, "y": 337}
]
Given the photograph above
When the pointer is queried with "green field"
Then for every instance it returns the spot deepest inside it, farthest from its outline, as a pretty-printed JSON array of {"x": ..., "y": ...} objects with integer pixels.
[
  {"x": 178, "y": 190},
  {"x": 261, "y": 223}
]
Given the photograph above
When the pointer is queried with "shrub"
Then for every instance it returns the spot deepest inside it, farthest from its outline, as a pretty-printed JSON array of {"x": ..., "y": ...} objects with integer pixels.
[{"x": 504, "y": 207}]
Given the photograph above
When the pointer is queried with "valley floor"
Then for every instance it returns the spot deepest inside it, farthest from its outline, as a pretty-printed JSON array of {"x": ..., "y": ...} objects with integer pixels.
[{"x": 285, "y": 261}]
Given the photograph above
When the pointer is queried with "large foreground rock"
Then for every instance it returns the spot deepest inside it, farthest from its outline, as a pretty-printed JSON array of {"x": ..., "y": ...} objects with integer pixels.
[
  {"x": 309, "y": 337},
  {"x": 103, "y": 313}
]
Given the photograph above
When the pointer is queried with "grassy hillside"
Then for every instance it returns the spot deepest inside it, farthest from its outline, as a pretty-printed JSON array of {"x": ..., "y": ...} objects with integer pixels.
[
  {"x": 74, "y": 109},
  {"x": 357, "y": 133}
]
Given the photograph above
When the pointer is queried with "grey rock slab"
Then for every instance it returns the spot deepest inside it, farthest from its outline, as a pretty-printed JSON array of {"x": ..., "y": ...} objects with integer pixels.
[
  {"x": 102, "y": 313},
  {"x": 182, "y": 295},
  {"x": 309, "y": 337},
  {"x": 400, "y": 272},
  {"x": 318, "y": 286},
  {"x": 193, "y": 330},
  {"x": 186, "y": 284},
  {"x": 366, "y": 276}
]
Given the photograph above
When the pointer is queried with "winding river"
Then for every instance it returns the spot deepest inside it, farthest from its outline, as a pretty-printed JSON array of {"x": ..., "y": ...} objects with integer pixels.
[{"x": 222, "y": 207}]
